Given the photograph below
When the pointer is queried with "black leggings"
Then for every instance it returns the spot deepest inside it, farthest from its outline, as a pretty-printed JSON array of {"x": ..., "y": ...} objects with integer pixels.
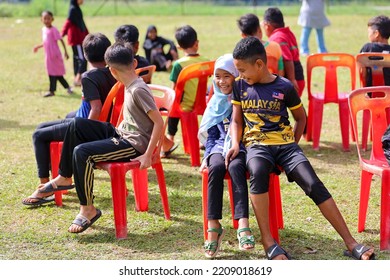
[
  {"x": 303, "y": 174},
  {"x": 217, "y": 171},
  {"x": 53, "y": 82},
  {"x": 79, "y": 61}
]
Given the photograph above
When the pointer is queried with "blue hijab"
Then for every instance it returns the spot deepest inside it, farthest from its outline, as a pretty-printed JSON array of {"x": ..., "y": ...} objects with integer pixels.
[{"x": 219, "y": 106}]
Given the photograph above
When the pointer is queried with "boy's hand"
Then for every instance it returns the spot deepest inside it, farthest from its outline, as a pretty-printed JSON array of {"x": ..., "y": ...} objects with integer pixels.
[
  {"x": 231, "y": 154},
  {"x": 144, "y": 160}
]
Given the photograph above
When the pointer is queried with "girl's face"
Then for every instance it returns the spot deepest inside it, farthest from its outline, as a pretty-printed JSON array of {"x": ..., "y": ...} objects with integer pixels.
[
  {"x": 152, "y": 34},
  {"x": 224, "y": 81},
  {"x": 47, "y": 19}
]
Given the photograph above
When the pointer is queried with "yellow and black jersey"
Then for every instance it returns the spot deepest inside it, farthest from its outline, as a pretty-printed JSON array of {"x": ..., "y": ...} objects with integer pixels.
[{"x": 264, "y": 108}]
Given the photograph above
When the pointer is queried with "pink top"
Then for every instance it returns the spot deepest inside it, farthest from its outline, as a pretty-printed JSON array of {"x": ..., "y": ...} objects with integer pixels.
[{"x": 53, "y": 56}]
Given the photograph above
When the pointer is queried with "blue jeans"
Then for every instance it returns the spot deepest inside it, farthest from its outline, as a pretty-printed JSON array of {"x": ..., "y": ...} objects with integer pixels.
[{"x": 305, "y": 40}]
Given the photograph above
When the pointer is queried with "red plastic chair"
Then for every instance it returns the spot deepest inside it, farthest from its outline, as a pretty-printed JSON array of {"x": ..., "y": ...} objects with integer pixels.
[
  {"x": 146, "y": 73},
  {"x": 118, "y": 170},
  {"x": 370, "y": 67},
  {"x": 376, "y": 164},
  {"x": 331, "y": 62},
  {"x": 189, "y": 120},
  {"x": 275, "y": 205},
  {"x": 110, "y": 112}
]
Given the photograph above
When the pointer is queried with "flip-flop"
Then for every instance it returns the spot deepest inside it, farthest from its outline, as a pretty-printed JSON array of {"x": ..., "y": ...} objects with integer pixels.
[
  {"x": 169, "y": 152},
  {"x": 275, "y": 250},
  {"x": 358, "y": 252},
  {"x": 84, "y": 222},
  {"x": 40, "y": 200},
  {"x": 52, "y": 187}
]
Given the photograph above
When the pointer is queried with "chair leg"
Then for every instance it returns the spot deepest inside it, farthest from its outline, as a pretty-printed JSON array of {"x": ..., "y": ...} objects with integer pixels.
[
  {"x": 55, "y": 154},
  {"x": 163, "y": 189},
  {"x": 318, "y": 109},
  {"x": 344, "y": 123},
  {"x": 118, "y": 187},
  {"x": 140, "y": 185},
  {"x": 385, "y": 212},
  {"x": 309, "y": 125},
  {"x": 273, "y": 211},
  {"x": 278, "y": 199},
  {"x": 365, "y": 184}
]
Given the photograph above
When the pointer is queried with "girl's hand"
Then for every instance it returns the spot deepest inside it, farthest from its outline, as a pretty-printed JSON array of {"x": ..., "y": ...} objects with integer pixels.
[
  {"x": 66, "y": 56},
  {"x": 35, "y": 49}
]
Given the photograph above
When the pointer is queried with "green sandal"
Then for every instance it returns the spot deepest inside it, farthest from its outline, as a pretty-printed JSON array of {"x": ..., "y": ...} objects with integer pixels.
[
  {"x": 215, "y": 245},
  {"x": 245, "y": 240}
]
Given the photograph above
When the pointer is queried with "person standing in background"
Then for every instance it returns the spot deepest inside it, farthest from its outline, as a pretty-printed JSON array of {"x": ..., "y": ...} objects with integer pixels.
[
  {"x": 312, "y": 15},
  {"x": 76, "y": 30}
]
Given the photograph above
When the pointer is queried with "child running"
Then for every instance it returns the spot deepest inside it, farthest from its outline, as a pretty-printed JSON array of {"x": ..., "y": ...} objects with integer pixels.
[
  {"x": 260, "y": 117},
  {"x": 213, "y": 134},
  {"x": 55, "y": 66}
]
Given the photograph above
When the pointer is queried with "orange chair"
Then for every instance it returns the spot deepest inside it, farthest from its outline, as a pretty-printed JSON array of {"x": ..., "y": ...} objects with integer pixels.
[
  {"x": 146, "y": 73},
  {"x": 189, "y": 120},
  {"x": 376, "y": 163},
  {"x": 331, "y": 62},
  {"x": 118, "y": 170},
  {"x": 110, "y": 112},
  {"x": 371, "y": 73},
  {"x": 272, "y": 64},
  {"x": 275, "y": 205}
]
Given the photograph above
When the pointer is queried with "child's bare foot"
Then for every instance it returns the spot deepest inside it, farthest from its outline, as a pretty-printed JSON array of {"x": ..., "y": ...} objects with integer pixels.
[{"x": 38, "y": 198}]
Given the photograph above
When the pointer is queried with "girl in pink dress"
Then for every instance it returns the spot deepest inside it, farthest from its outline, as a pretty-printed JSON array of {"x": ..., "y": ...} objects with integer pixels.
[{"x": 53, "y": 58}]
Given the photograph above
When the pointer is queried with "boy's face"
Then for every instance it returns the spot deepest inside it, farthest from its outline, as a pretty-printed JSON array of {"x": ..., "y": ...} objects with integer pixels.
[
  {"x": 250, "y": 72},
  {"x": 267, "y": 27},
  {"x": 224, "y": 81},
  {"x": 372, "y": 34}
]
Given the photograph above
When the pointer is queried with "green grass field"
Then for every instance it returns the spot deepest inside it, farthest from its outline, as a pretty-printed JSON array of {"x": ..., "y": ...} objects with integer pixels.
[{"x": 41, "y": 233}]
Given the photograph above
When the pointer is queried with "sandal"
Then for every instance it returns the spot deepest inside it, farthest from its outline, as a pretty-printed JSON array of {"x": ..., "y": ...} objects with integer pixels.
[
  {"x": 358, "y": 252},
  {"x": 245, "y": 239},
  {"x": 215, "y": 245},
  {"x": 275, "y": 250}
]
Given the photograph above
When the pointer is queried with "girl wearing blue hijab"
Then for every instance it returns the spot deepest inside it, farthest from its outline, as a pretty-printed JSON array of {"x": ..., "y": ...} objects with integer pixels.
[{"x": 214, "y": 135}]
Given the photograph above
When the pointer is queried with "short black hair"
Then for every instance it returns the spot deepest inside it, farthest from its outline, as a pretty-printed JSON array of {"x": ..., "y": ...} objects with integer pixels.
[
  {"x": 274, "y": 16},
  {"x": 250, "y": 49},
  {"x": 119, "y": 54},
  {"x": 248, "y": 24},
  {"x": 186, "y": 36},
  {"x": 95, "y": 46},
  {"x": 127, "y": 33},
  {"x": 382, "y": 24}
]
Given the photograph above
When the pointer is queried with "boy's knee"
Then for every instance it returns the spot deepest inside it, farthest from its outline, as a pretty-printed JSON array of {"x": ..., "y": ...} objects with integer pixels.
[{"x": 317, "y": 192}]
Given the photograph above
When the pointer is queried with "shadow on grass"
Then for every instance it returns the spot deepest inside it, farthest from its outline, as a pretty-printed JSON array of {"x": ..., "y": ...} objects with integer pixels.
[{"x": 7, "y": 124}]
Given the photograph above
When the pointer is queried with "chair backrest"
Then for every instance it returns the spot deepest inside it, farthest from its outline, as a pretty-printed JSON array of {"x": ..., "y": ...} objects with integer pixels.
[
  {"x": 113, "y": 104},
  {"x": 146, "y": 73},
  {"x": 374, "y": 69},
  {"x": 272, "y": 64},
  {"x": 199, "y": 72},
  {"x": 330, "y": 61},
  {"x": 360, "y": 100}
]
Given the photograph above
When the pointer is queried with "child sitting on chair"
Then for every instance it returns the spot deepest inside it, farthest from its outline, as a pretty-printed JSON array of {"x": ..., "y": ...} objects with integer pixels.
[
  {"x": 260, "y": 119},
  {"x": 213, "y": 134}
]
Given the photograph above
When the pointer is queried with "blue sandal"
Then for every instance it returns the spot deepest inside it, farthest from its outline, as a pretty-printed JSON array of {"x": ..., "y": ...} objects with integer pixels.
[
  {"x": 215, "y": 245},
  {"x": 245, "y": 239}
]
